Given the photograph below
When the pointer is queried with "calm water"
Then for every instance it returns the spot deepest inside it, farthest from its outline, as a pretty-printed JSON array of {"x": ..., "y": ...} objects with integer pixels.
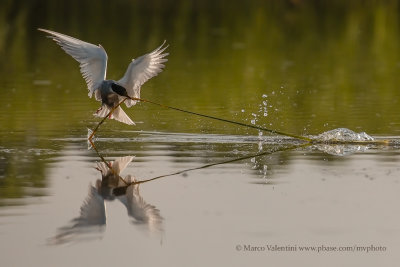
[{"x": 302, "y": 68}]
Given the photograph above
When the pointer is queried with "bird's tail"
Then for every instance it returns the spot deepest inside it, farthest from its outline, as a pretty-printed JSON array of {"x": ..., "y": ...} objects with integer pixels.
[{"x": 118, "y": 114}]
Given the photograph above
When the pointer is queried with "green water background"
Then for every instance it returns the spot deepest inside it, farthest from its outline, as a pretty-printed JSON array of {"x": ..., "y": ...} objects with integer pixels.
[{"x": 317, "y": 65}]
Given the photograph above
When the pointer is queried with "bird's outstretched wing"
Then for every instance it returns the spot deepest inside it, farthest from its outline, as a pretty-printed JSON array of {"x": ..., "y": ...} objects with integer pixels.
[
  {"x": 92, "y": 58},
  {"x": 142, "y": 69}
]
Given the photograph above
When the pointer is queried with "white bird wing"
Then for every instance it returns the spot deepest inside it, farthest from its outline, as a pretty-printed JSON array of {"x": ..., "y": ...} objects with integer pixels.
[
  {"x": 92, "y": 58},
  {"x": 142, "y": 69},
  {"x": 118, "y": 114}
]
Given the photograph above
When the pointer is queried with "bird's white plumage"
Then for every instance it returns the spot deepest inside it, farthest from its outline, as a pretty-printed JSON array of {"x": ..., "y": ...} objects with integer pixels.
[
  {"x": 142, "y": 69},
  {"x": 118, "y": 114},
  {"x": 92, "y": 58},
  {"x": 93, "y": 65}
]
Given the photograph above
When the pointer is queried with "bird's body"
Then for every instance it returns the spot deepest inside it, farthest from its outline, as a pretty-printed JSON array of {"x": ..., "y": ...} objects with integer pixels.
[
  {"x": 93, "y": 65},
  {"x": 110, "y": 93}
]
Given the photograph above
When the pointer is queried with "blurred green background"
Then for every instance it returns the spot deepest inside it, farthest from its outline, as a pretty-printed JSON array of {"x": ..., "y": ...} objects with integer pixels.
[
  {"x": 322, "y": 64},
  {"x": 302, "y": 67}
]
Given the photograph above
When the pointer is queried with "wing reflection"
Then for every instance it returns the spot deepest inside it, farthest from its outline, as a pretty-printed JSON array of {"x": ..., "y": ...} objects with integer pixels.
[
  {"x": 89, "y": 225},
  {"x": 92, "y": 219},
  {"x": 142, "y": 213}
]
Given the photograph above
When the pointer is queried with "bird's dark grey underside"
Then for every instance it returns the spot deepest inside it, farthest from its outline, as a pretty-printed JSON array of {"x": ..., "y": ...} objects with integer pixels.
[{"x": 119, "y": 89}]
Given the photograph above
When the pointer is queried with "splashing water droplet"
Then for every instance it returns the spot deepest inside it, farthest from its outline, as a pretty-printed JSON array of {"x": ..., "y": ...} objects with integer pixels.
[{"x": 254, "y": 120}]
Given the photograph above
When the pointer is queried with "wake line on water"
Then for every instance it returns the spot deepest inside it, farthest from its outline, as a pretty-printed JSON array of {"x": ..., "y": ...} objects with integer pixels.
[{"x": 336, "y": 136}]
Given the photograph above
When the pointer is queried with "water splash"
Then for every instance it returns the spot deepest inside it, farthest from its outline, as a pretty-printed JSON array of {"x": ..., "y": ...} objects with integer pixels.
[
  {"x": 264, "y": 106},
  {"x": 264, "y": 172},
  {"x": 262, "y": 110},
  {"x": 340, "y": 150},
  {"x": 261, "y": 168},
  {"x": 255, "y": 118},
  {"x": 343, "y": 135}
]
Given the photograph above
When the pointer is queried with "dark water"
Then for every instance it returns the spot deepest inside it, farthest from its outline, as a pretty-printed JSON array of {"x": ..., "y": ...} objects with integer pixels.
[{"x": 292, "y": 66}]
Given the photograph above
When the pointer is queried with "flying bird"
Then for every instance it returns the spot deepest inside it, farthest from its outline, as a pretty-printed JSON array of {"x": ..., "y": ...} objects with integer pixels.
[{"x": 93, "y": 66}]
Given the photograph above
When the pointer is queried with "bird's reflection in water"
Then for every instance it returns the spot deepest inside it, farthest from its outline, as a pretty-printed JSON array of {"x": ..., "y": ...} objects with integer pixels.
[{"x": 92, "y": 220}]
